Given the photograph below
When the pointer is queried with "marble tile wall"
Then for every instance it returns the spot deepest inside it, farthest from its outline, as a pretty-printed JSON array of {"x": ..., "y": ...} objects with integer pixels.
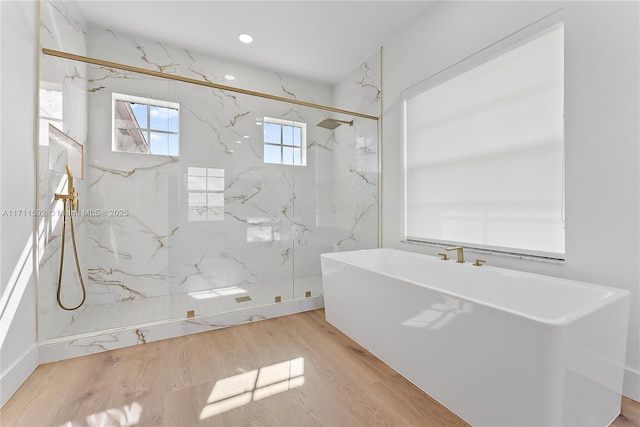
[
  {"x": 63, "y": 103},
  {"x": 356, "y": 158},
  {"x": 139, "y": 242}
]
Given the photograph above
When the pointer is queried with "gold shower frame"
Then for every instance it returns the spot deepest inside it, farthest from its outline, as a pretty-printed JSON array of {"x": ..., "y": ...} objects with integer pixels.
[{"x": 183, "y": 79}]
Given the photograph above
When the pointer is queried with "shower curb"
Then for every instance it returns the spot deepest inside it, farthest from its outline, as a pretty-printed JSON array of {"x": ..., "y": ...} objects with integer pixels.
[{"x": 91, "y": 343}]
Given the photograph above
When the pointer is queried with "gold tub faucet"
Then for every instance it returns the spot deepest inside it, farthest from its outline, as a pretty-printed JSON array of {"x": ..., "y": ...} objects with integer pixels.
[{"x": 460, "y": 250}]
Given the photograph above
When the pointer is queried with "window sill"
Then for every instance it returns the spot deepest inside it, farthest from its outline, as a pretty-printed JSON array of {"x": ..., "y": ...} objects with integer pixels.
[{"x": 506, "y": 254}]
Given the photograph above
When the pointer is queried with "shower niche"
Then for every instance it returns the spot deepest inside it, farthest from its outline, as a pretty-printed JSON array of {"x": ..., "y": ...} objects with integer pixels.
[
  {"x": 65, "y": 151},
  {"x": 217, "y": 233}
]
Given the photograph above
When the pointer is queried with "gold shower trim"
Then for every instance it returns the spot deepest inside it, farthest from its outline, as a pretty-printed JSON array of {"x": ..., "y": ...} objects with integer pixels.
[{"x": 175, "y": 77}]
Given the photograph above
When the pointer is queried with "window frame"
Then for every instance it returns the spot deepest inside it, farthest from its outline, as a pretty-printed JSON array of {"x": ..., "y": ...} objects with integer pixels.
[
  {"x": 148, "y": 130},
  {"x": 303, "y": 140},
  {"x": 508, "y": 43}
]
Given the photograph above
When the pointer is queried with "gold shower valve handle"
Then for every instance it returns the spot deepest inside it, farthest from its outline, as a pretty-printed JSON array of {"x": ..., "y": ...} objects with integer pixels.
[
  {"x": 74, "y": 200},
  {"x": 72, "y": 197}
]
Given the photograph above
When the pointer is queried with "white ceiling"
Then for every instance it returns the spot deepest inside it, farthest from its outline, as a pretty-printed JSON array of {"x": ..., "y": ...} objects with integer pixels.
[{"x": 317, "y": 40}]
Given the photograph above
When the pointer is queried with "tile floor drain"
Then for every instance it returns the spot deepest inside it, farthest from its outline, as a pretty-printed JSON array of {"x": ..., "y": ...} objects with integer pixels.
[{"x": 243, "y": 299}]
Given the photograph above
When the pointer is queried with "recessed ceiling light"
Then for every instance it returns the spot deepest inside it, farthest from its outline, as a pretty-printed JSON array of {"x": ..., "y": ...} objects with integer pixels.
[
  {"x": 245, "y": 38},
  {"x": 229, "y": 77}
]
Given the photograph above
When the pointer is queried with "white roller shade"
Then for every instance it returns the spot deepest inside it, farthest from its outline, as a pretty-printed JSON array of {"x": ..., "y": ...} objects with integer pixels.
[{"x": 484, "y": 153}]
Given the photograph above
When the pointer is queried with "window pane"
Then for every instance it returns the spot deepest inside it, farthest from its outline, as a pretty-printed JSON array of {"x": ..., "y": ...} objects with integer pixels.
[
  {"x": 287, "y": 156},
  {"x": 297, "y": 156},
  {"x": 272, "y": 154},
  {"x": 297, "y": 136},
  {"x": 159, "y": 118},
  {"x": 124, "y": 115},
  {"x": 173, "y": 120},
  {"x": 159, "y": 143},
  {"x": 140, "y": 113},
  {"x": 133, "y": 141},
  {"x": 271, "y": 133},
  {"x": 287, "y": 135},
  {"x": 174, "y": 145}
]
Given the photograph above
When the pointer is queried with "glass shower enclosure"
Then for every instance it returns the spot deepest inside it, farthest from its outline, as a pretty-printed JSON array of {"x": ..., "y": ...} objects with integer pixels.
[{"x": 198, "y": 207}]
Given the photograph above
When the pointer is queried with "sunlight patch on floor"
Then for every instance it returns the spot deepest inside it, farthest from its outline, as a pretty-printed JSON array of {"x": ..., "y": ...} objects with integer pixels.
[
  {"x": 241, "y": 389},
  {"x": 129, "y": 415}
]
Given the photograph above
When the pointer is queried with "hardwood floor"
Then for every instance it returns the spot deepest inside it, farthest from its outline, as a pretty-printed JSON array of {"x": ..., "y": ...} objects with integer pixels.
[{"x": 296, "y": 370}]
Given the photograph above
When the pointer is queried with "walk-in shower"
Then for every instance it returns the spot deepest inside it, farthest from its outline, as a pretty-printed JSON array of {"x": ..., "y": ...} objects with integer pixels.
[{"x": 203, "y": 205}]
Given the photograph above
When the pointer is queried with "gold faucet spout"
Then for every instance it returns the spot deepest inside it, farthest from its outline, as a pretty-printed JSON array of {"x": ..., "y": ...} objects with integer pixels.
[{"x": 460, "y": 251}]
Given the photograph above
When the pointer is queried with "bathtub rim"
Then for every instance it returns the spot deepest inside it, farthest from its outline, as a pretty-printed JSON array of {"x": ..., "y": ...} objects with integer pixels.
[{"x": 614, "y": 295}]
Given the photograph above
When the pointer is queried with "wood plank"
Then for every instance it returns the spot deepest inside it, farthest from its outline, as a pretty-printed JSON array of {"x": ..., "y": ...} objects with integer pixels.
[
  {"x": 170, "y": 382},
  {"x": 629, "y": 414}
]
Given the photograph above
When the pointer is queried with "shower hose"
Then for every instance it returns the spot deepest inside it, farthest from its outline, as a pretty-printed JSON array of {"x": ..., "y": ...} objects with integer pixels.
[{"x": 75, "y": 253}]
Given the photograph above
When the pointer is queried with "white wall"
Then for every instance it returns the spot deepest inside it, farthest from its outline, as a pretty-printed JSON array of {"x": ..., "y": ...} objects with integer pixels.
[
  {"x": 602, "y": 87},
  {"x": 18, "y": 353}
]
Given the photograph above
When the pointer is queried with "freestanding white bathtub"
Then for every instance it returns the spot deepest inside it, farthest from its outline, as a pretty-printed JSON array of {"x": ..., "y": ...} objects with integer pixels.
[{"x": 498, "y": 347}]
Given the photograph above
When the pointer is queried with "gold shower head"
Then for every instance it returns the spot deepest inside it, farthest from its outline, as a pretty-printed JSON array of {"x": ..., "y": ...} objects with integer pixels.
[{"x": 331, "y": 124}]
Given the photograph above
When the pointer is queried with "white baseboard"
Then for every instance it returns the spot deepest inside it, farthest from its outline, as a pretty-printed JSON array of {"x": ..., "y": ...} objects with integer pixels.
[
  {"x": 18, "y": 373},
  {"x": 631, "y": 385}
]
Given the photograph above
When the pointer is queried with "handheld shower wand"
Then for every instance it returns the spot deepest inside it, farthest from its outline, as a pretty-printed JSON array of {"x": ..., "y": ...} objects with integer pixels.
[
  {"x": 70, "y": 197},
  {"x": 69, "y": 180}
]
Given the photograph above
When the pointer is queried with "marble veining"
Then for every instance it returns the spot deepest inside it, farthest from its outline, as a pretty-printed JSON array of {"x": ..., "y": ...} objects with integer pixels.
[
  {"x": 63, "y": 104},
  {"x": 154, "y": 262},
  {"x": 367, "y": 81}
]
